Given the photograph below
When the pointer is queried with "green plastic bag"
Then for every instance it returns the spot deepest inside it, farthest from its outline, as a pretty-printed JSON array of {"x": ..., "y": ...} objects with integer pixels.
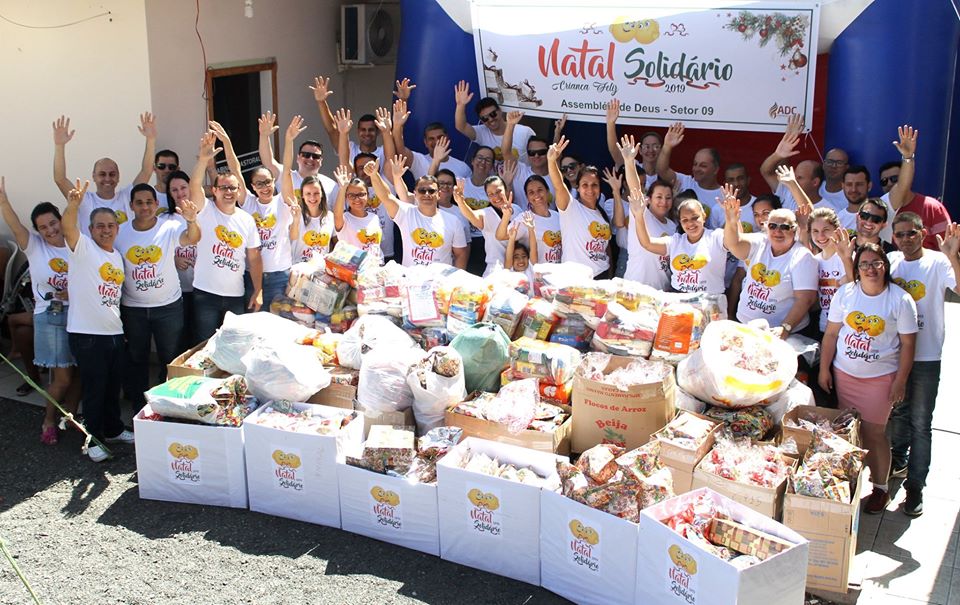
[{"x": 485, "y": 349}]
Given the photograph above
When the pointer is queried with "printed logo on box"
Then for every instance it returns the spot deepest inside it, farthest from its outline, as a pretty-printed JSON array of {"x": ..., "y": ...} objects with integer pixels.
[
  {"x": 484, "y": 511},
  {"x": 287, "y": 470},
  {"x": 386, "y": 508},
  {"x": 184, "y": 462},
  {"x": 584, "y": 546},
  {"x": 682, "y": 574}
]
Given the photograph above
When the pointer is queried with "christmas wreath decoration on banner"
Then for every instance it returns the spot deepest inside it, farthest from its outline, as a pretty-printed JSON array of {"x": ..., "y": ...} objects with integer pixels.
[{"x": 787, "y": 32}]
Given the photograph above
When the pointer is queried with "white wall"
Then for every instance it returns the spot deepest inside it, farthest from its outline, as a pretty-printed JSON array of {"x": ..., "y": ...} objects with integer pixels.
[{"x": 95, "y": 72}]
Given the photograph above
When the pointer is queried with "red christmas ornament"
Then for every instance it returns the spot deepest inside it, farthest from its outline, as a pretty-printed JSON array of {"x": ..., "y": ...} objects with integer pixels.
[
  {"x": 763, "y": 32},
  {"x": 799, "y": 60},
  {"x": 741, "y": 28}
]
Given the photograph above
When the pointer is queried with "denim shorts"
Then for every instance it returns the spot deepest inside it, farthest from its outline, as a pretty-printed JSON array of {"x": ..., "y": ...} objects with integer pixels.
[{"x": 50, "y": 343}]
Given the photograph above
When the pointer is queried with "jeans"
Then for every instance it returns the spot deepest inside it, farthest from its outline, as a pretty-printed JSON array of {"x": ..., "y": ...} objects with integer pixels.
[
  {"x": 208, "y": 312},
  {"x": 100, "y": 362},
  {"x": 186, "y": 335},
  {"x": 274, "y": 286},
  {"x": 140, "y": 324},
  {"x": 621, "y": 263},
  {"x": 910, "y": 424}
]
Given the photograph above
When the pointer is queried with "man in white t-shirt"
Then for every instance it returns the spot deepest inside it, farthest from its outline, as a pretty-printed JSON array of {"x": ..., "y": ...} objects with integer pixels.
[
  {"x": 703, "y": 177},
  {"x": 492, "y": 125},
  {"x": 106, "y": 173},
  {"x": 369, "y": 126},
  {"x": 309, "y": 158},
  {"x": 835, "y": 165},
  {"x": 229, "y": 244},
  {"x": 536, "y": 162},
  {"x": 94, "y": 278},
  {"x": 925, "y": 275},
  {"x": 151, "y": 306},
  {"x": 736, "y": 175},
  {"x": 433, "y": 133},
  {"x": 809, "y": 174}
]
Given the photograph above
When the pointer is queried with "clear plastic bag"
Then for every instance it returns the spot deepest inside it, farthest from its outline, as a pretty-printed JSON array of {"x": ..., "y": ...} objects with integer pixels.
[
  {"x": 383, "y": 378},
  {"x": 240, "y": 332},
  {"x": 436, "y": 382},
  {"x": 289, "y": 372}
]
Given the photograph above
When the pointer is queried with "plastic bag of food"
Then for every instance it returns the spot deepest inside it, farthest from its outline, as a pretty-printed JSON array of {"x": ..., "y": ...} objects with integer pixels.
[
  {"x": 436, "y": 382},
  {"x": 240, "y": 332},
  {"x": 539, "y": 359},
  {"x": 421, "y": 306},
  {"x": 555, "y": 275},
  {"x": 467, "y": 304},
  {"x": 505, "y": 309},
  {"x": 344, "y": 262},
  {"x": 678, "y": 332},
  {"x": 626, "y": 332},
  {"x": 587, "y": 299},
  {"x": 538, "y": 319},
  {"x": 573, "y": 331},
  {"x": 291, "y": 371},
  {"x": 222, "y": 401},
  {"x": 369, "y": 332},
  {"x": 383, "y": 378},
  {"x": 486, "y": 349}
]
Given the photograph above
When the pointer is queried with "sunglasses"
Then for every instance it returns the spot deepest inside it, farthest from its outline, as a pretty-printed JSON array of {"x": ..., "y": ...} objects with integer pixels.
[
  {"x": 311, "y": 156},
  {"x": 427, "y": 191},
  {"x": 490, "y": 116},
  {"x": 873, "y": 218},
  {"x": 482, "y": 160},
  {"x": 230, "y": 188},
  {"x": 906, "y": 234},
  {"x": 870, "y": 264},
  {"x": 889, "y": 180},
  {"x": 569, "y": 167},
  {"x": 781, "y": 227},
  {"x": 536, "y": 152},
  {"x": 162, "y": 166}
]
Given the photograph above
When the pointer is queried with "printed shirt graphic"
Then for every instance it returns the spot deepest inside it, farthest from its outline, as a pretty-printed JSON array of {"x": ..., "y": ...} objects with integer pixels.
[
  {"x": 586, "y": 237},
  {"x": 868, "y": 344},
  {"x": 494, "y": 250},
  {"x": 691, "y": 264},
  {"x": 549, "y": 240},
  {"x": 362, "y": 232},
  {"x": 770, "y": 282},
  {"x": 222, "y": 250},
  {"x": 315, "y": 238},
  {"x": 428, "y": 239},
  {"x": 644, "y": 266},
  {"x": 829, "y": 274},
  {"x": 476, "y": 198},
  {"x": 150, "y": 270},
  {"x": 188, "y": 253},
  {"x": 95, "y": 281},
  {"x": 926, "y": 281},
  {"x": 120, "y": 204},
  {"x": 521, "y": 134},
  {"x": 273, "y": 225},
  {"x": 48, "y": 270}
]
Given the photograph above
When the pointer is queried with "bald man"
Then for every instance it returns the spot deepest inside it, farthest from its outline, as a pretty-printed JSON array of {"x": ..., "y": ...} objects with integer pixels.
[
  {"x": 835, "y": 164},
  {"x": 106, "y": 172},
  {"x": 703, "y": 177}
]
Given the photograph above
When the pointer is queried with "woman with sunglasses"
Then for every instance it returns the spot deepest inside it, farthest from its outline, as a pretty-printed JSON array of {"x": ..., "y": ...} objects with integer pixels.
[
  {"x": 446, "y": 181},
  {"x": 586, "y": 229},
  {"x": 869, "y": 342},
  {"x": 780, "y": 284}
]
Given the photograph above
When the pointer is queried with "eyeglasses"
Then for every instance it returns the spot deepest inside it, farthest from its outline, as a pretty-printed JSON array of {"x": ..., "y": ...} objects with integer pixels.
[
  {"x": 781, "y": 226},
  {"x": 443, "y": 185},
  {"x": 536, "y": 152},
  {"x": 889, "y": 180},
  {"x": 569, "y": 167},
  {"x": 873, "y": 218},
  {"x": 162, "y": 166},
  {"x": 490, "y": 116},
  {"x": 906, "y": 234},
  {"x": 356, "y": 196},
  {"x": 870, "y": 264},
  {"x": 834, "y": 162},
  {"x": 655, "y": 147},
  {"x": 427, "y": 191},
  {"x": 259, "y": 184},
  {"x": 311, "y": 156},
  {"x": 483, "y": 160},
  {"x": 230, "y": 188}
]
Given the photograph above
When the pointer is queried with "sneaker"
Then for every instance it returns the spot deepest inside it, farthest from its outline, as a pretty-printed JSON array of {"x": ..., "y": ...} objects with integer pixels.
[
  {"x": 913, "y": 504},
  {"x": 97, "y": 453},
  {"x": 876, "y": 502},
  {"x": 124, "y": 437},
  {"x": 898, "y": 472}
]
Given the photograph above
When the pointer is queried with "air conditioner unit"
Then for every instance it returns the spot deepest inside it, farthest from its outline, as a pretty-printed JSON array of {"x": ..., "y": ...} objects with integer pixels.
[{"x": 369, "y": 33}]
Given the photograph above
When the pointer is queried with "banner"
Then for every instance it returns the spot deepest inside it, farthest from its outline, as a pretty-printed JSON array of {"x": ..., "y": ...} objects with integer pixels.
[{"x": 744, "y": 67}]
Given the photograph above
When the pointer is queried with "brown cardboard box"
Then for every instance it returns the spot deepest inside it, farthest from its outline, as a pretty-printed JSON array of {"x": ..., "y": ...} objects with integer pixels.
[
  {"x": 682, "y": 480},
  {"x": 682, "y": 458},
  {"x": 374, "y": 418},
  {"x": 765, "y": 500},
  {"x": 342, "y": 390},
  {"x": 604, "y": 414},
  {"x": 803, "y": 437},
  {"x": 557, "y": 442},
  {"x": 176, "y": 368}
]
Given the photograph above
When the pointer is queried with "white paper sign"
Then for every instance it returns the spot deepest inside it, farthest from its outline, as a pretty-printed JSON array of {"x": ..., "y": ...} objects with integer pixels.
[{"x": 745, "y": 68}]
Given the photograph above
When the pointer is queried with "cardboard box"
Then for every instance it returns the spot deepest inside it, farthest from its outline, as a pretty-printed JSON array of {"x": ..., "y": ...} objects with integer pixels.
[
  {"x": 491, "y": 523},
  {"x": 672, "y": 569},
  {"x": 342, "y": 390},
  {"x": 294, "y": 475},
  {"x": 176, "y": 368},
  {"x": 374, "y": 418},
  {"x": 832, "y": 530},
  {"x": 389, "y": 509},
  {"x": 765, "y": 500},
  {"x": 191, "y": 463},
  {"x": 682, "y": 479},
  {"x": 586, "y": 555},
  {"x": 604, "y": 414},
  {"x": 557, "y": 442},
  {"x": 803, "y": 437},
  {"x": 684, "y": 458}
]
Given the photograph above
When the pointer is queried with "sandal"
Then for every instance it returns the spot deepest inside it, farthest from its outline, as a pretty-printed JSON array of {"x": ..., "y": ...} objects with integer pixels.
[
  {"x": 24, "y": 389},
  {"x": 49, "y": 435}
]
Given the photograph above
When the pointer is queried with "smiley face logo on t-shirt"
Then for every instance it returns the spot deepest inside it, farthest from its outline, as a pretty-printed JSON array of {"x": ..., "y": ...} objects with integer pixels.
[
  {"x": 685, "y": 262},
  {"x": 58, "y": 265},
  {"x": 764, "y": 276},
  {"x": 551, "y": 238},
  {"x": 312, "y": 238},
  {"x": 121, "y": 217},
  {"x": 599, "y": 230},
  {"x": 422, "y": 237},
  {"x": 144, "y": 254},
  {"x": 915, "y": 288},
  {"x": 111, "y": 274},
  {"x": 265, "y": 222},
  {"x": 230, "y": 238},
  {"x": 369, "y": 238},
  {"x": 871, "y": 325}
]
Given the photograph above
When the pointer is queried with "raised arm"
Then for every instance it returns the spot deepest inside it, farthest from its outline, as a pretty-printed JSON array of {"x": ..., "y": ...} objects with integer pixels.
[
  {"x": 638, "y": 206},
  {"x": 907, "y": 146},
  {"x": 616, "y": 185},
  {"x": 400, "y": 117},
  {"x": 10, "y": 217},
  {"x": 462, "y": 96},
  {"x": 61, "y": 136},
  {"x": 441, "y": 151},
  {"x": 266, "y": 126},
  {"x": 613, "y": 114},
  {"x": 385, "y": 125},
  {"x": 206, "y": 154},
  {"x": 531, "y": 236},
  {"x": 296, "y": 220},
  {"x": 286, "y": 181},
  {"x": 475, "y": 217},
  {"x": 390, "y": 201},
  {"x": 71, "y": 227},
  {"x": 511, "y": 238},
  {"x": 503, "y": 227},
  {"x": 628, "y": 150},
  {"x": 950, "y": 246},
  {"x": 558, "y": 127},
  {"x": 148, "y": 128},
  {"x": 674, "y": 137},
  {"x": 233, "y": 162},
  {"x": 343, "y": 124},
  {"x": 733, "y": 239},
  {"x": 786, "y": 149},
  {"x": 342, "y": 175},
  {"x": 188, "y": 210},
  {"x": 506, "y": 144},
  {"x": 561, "y": 195},
  {"x": 321, "y": 90},
  {"x": 396, "y": 167},
  {"x": 845, "y": 247},
  {"x": 786, "y": 175}
]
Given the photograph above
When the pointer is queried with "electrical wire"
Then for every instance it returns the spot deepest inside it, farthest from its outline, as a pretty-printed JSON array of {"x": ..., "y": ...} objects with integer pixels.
[
  {"x": 203, "y": 52},
  {"x": 11, "y": 21}
]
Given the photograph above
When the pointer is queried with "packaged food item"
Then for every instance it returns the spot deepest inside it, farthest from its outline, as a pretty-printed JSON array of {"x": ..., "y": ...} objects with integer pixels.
[
  {"x": 687, "y": 431},
  {"x": 745, "y": 540},
  {"x": 325, "y": 343},
  {"x": 538, "y": 319},
  {"x": 516, "y": 406},
  {"x": 638, "y": 371},
  {"x": 285, "y": 418},
  {"x": 436, "y": 382},
  {"x": 505, "y": 309},
  {"x": 743, "y": 462},
  {"x": 573, "y": 331},
  {"x": 383, "y": 378},
  {"x": 626, "y": 332},
  {"x": 550, "y": 392},
  {"x": 339, "y": 321},
  {"x": 678, "y": 332},
  {"x": 587, "y": 298},
  {"x": 637, "y": 297},
  {"x": 743, "y": 423},
  {"x": 388, "y": 448},
  {"x": 344, "y": 262},
  {"x": 551, "y": 276},
  {"x": 487, "y": 350},
  {"x": 201, "y": 360},
  {"x": 539, "y": 359},
  {"x": 478, "y": 462},
  {"x": 504, "y": 279},
  {"x": 223, "y": 401},
  {"x": 318, "y": 292},
  {"x": 467, "y": 304}
]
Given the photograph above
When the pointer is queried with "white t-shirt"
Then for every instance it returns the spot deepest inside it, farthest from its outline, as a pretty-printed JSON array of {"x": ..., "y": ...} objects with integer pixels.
[
  {"x": 374, "y": 206},
  {"x": 95, "y": 279},
  {"x": 421, "y": 164},
  {"x": 746, "y": 217},
  {"x": 926, "y": 281},
  {"x": 549, "y": 238},
  {"x": 150, "y": 272},
  {"x": 494, "y": 250},
  {"x": 644, "y": 266},
  {"x": 48, "y": 270},
  {"x": 326, "y": 183},
  {"x": 790, "y": 203},
  {"x": 519, "y": 192},
  {"x": 120, "y": 204},
  {"x": 428, "y": 239},
  {"x": 314, "y": 238},
  {"x": 222, "y": 250},
  {"x": 476, "y": 198},
  {"x": 836, "y": 199},
  {"x": 698, "y": 267},
  {"x": 355, "y": 151},
  {"x": 830, "y": 272},
  {"x": 521, "y": 134},
  {"x": 771, "y": 282},
  {"x": 454, "y": 213},
  {"x": 273, "y": 226},
  {"x": 848, "y": 220},
  {"x": 707, "y": 197},
  {"x": 362, "y": 232},
  {"x": 868, "y": 344},
  {"x": 586, "y": 237},
  {"x": 619, "y": 234}
]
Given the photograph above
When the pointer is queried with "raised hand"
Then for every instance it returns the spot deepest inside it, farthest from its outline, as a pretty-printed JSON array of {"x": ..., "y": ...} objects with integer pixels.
[
  {"x": 674, "y": 135},
  {"x": 342, "y": 121},
  {"x": 628, "y": 148},
  {"x": 398, "y": 165},
  {"x": 730, "y": 202},
  {"x": 638, "y": 202},
  {"x": 148, "y": 125},
  {"x": 795, "y": 124},
  {"x": 61, "y": 131},
  {"x": 295, "y": 128},
  {"x": 907, "y": 145},
  {"x": 787, "y": 147},
  {"x": 514, "y": 117},
  {"x": 559, "y": 125},
  {"x": 342, "y": 174},
  {"x": 513, "y": 230},
  {"x": 950, "y": 243},
  {"x": 842, "y": 243},
  {"x": 76, "y": 194},
  {"x": 267, "y": 124},
  {"x": 293, "y": 206},
  {"x": 441, "y": 151},
  {"x": 219, "y": 131},
  {"x": 371, "y": 168},
  {"x": 187, "y": 209},
  {"x": 611, "y": 178},
  {"x": 461, "y": 93},
  {"x": 458, "y": 191},
  {"x": 786, "y": 175},
  {"x": 384, "y": 123},
  {"x": 613, "y": 111},
  {"x": 321, "y": 88},
  {"x": 404, "y": 88},
  {"x": 207, "y": 150},
  {"x": 400, "y": 113},
  {"x": 555, "y": 151},
  {"x": 508, "y": 170},
  {"x": 527, "y": 220}
]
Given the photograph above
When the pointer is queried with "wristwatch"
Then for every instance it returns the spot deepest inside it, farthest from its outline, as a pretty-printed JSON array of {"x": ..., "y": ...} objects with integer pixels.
[{"x": 788, "y": 328}]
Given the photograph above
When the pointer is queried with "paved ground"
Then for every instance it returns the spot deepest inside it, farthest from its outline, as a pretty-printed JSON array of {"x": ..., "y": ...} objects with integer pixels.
[{"x": 81, "y": 534}]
